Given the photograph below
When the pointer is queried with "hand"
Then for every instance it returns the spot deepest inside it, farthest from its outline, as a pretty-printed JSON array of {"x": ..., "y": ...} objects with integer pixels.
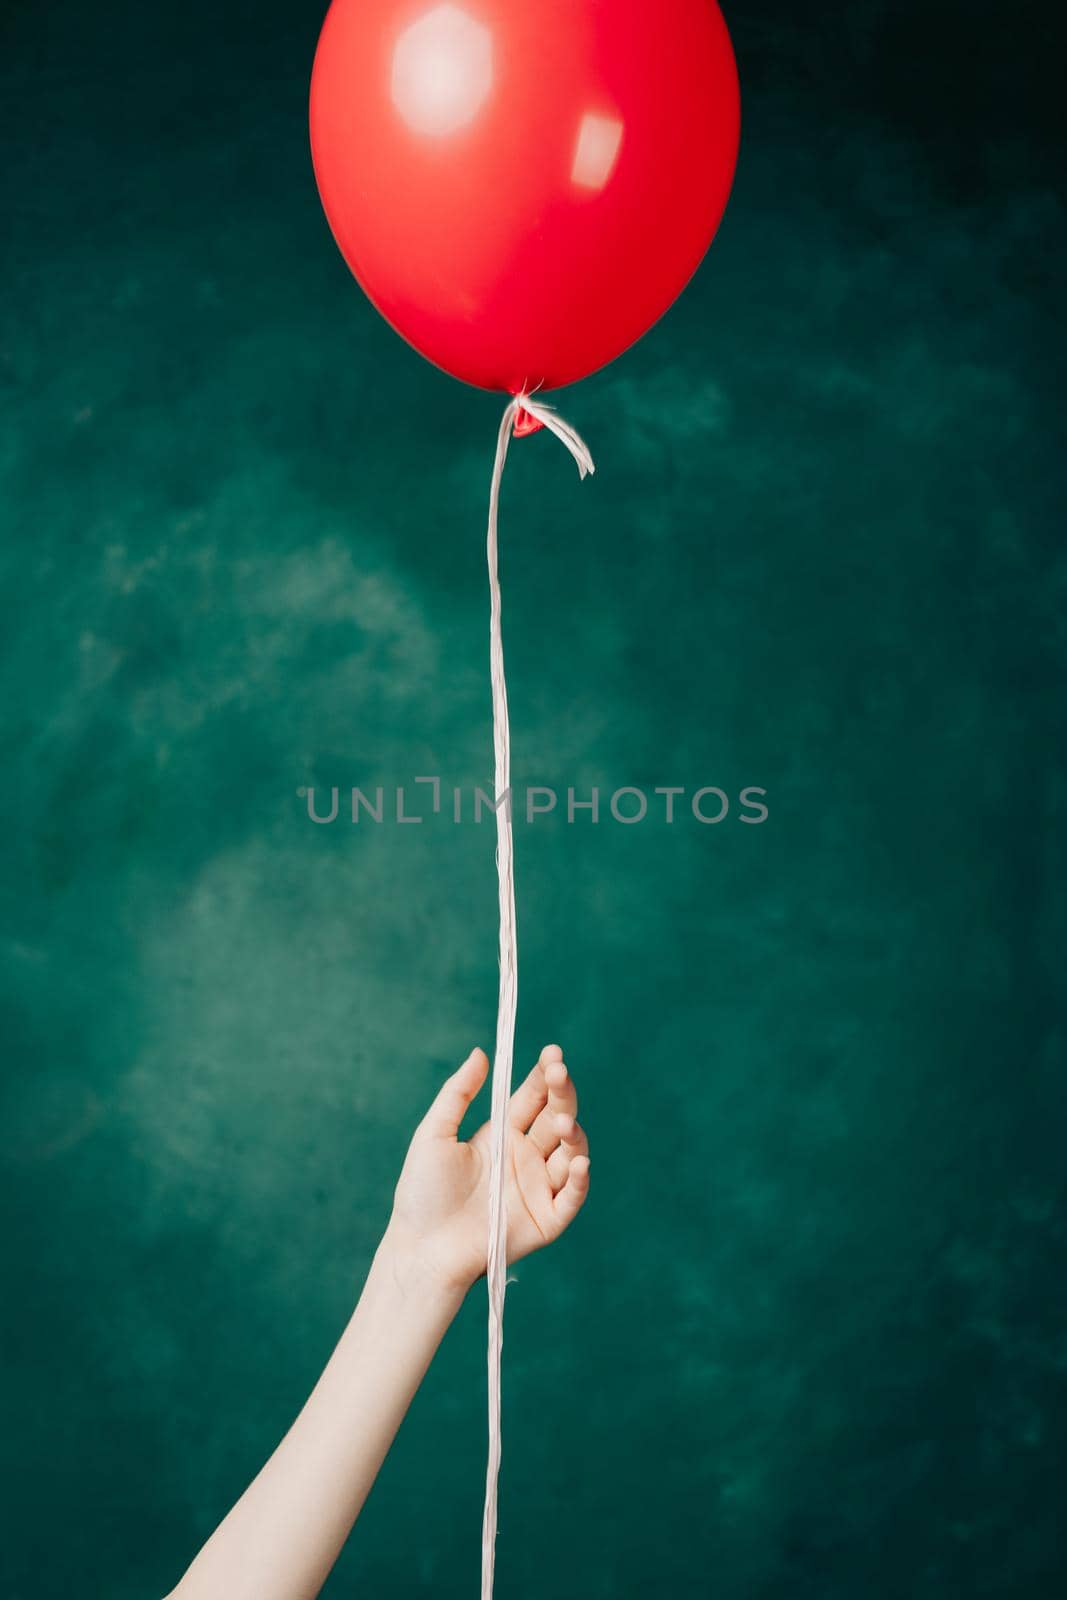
[{"x": 441, "y": 1209}]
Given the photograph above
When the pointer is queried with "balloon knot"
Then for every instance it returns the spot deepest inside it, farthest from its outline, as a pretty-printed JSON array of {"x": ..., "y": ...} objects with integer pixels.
[{"x": 525, "y": 423}]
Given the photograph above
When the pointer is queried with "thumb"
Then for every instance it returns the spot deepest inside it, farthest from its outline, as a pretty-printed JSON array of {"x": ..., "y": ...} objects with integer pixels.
[{"x": 454, "y": 1096}]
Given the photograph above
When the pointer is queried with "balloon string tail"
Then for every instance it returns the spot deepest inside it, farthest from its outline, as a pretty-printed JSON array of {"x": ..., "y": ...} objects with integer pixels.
[{"x": 521, "y": 416}]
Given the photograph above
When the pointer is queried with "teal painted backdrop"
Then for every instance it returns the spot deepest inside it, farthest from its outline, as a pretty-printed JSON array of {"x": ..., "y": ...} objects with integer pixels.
[{"x": 809, "y": 1338}]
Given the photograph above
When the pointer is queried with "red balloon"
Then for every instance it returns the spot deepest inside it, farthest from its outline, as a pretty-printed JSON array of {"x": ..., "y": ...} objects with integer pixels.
[{"x": 522, "y": 187}]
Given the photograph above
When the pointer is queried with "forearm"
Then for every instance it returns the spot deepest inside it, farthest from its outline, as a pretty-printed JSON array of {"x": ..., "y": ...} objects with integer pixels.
[{"x": 284, "y": 1534}]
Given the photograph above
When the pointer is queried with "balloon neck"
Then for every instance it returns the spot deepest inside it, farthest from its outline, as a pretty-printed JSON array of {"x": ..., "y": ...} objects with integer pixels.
[{"x": 525, "y": 424}]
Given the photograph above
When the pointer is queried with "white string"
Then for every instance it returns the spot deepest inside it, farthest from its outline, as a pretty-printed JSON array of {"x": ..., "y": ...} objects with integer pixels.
[{"x": 496, "y": 1265}]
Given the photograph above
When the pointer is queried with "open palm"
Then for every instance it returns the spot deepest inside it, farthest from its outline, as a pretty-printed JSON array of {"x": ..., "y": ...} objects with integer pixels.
[{"x": 442, "y": 1198}]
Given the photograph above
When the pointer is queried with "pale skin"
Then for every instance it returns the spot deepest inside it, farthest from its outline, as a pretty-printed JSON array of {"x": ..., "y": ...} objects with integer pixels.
[{"x": 283, "y": 1536}]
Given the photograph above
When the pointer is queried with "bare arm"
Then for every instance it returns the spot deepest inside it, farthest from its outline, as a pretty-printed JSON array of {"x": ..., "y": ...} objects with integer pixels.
[{"x": 284, "y": 1534}]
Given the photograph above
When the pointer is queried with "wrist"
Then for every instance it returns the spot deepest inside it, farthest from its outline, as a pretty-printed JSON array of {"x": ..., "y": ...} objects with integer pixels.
[{"x": 416, "y": 1270}]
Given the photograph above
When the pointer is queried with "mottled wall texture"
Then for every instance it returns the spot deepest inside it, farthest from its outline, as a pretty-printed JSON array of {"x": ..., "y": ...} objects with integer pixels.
[{"x": 809, "y": 1341}]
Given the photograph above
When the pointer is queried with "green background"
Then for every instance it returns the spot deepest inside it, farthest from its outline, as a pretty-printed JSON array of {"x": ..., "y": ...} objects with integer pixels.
[{"x": 809, "y": 1338}]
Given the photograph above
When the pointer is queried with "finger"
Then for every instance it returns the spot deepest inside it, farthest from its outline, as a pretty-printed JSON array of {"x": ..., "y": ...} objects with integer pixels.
[
  {"x": 544, "y": 1133},
  {"x": 454, "y": 1096},
  {"x": 562, "y": 1095},
  {"x": 528, "y": 1099},
  {"x": 573, "y": 1142},
  {"x": 571, "y": 1197},
  {"x": 541, "y": 1127},
  {"x": 562, "y": 1101}
]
